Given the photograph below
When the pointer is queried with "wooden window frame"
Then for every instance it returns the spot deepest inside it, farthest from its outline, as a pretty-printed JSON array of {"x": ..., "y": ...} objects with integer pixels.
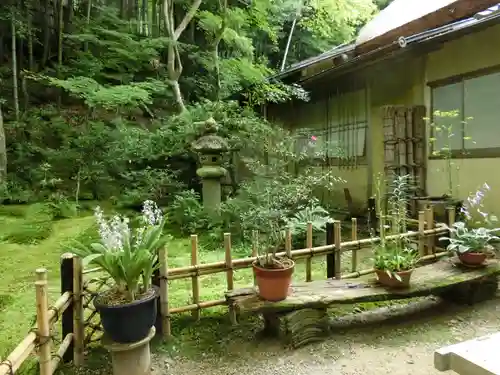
[{"x": 480, "y": 153}]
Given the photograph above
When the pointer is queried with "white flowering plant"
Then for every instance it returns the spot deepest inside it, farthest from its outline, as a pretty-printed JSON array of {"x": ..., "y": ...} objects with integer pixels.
[{"x": 129, "y": 255}]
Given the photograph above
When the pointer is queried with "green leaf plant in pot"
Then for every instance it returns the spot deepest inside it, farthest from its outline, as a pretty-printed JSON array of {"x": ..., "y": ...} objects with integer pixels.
[
  {"x": 273, "y": 273},
  {"x": 394, "y": 259},
  {"x": 129, "y": 255},
  {"x": 470, "y": 239}
]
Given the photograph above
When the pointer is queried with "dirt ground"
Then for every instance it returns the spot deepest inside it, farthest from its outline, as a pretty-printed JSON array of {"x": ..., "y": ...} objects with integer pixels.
[{"x": 396, "y": 340}]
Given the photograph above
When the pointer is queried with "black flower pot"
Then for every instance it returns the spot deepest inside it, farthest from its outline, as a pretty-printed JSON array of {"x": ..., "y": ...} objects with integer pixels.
[{"x": 129, "y": 322}]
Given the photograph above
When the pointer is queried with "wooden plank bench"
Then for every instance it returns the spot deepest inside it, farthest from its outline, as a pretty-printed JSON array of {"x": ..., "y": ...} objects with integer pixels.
[{"x": 302, "y": 317}]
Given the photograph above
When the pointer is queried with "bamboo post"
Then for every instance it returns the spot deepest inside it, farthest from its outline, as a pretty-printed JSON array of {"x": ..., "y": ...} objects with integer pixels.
[
  {"x": 354, "y": 237},
  {"x": 450, "y": 220},
  {"x": 255, "y": 250},
  {"x": 372, "y": 215},
  {"x": 195, "y": 280},
  {"x": 78, "y": 313},
  {"x": 229, "y": 273},
  {"x": 338, "y": 252},
  {"x": 421, "y": 237},
  {"x": 330, "y": 257},
  {"x": 42, "y": 321},
  {"x": 165, "y": 313},
  {"x": 309, "y": 245},
  {"x": 288, "y": 243},
  {"x": 67, "y": 285},
  {"x": 429, "y": 218}
]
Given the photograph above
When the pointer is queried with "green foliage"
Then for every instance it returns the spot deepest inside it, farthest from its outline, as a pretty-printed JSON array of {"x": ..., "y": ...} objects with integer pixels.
[
  {"x": 396, "y": 254},
  {"x": 186, "y": 213},
  {"x": 29, "y": 233},
  {"x": 392, "y": 259},
  {"x": 470, "y": 240}
]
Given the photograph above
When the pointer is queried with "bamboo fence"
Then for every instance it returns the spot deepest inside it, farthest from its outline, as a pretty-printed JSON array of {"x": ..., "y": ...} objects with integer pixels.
[
  {"x": 41, "y": 338},
  {"x": 80, "y": 325},
  {"x": 424, "y": 237}
]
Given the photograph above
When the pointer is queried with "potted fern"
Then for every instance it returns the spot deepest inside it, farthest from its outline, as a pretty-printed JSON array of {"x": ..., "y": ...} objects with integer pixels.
[
  {"x": 129, "y": 255},
  {"x": 273, "y": 273},
  {"x": 395, "y": 260}
]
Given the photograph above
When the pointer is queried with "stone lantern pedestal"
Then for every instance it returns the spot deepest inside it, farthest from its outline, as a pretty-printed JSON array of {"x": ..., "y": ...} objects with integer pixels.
[{"x": 210, "y": 147}]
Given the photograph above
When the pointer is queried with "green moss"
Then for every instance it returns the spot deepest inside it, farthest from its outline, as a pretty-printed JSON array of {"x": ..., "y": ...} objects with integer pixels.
[
  {"x": 211, "y": 172},
  {"x": 13, "y": 210},
  {"x": 40, "y": 212},
  {"x": 29, "y": 233}
]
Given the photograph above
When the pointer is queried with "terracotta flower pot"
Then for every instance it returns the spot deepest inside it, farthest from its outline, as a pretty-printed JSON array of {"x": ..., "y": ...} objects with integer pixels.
[
  {"x": 392, "y": 282},
  {"x": 273, "y": 283},
  {"x": 472, "y": 259}
]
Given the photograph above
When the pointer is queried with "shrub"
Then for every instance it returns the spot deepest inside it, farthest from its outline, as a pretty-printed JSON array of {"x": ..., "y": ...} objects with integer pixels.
[{"x": 29, "y": 232}]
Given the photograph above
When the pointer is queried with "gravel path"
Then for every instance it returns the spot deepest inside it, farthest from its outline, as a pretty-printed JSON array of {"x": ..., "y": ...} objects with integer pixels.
[{"x": 397, "y": 341}]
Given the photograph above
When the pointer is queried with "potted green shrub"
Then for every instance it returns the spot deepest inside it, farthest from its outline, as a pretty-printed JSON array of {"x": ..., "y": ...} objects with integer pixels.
[
  {"x": 273, "y": 273},
  {"x": 394, "y": 265},
  {"x": 130, "y": 256},
  {"x": 471, "y": 245},
  {"x": 470, "y": 239},
  {"x": 394, "y": 261}
]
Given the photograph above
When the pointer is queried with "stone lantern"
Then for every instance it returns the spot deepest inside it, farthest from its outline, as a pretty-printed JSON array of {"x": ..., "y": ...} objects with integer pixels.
[{"x": 210, "y": 148}]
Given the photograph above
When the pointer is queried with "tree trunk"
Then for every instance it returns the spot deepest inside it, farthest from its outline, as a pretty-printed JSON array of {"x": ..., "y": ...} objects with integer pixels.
[
  {"x": 174, "y": 64},
  {"x": 15, "y": 85},
  {"x": 3, "y": 151}
]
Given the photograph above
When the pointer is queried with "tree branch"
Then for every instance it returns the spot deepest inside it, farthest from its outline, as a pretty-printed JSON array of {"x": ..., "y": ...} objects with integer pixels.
[{"x": 187, "y": 18}]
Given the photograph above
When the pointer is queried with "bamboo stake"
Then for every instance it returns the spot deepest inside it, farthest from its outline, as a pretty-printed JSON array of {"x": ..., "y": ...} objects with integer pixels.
[
  {"x": 42, "y": 320},
  {"x": 430, "y": 224},
  {"x": 255, "y": 250},
  {"x": 309, "y": 245},
  {"x": 78, "y": 313},
  {"x": 421, "y": 229},
  {"x": 354, "y": 237},
  {"x": 338, "y": 246},
  {"x": 195, "y": 280},
  {"x": 229, "y": 273},
  {"x": 241, "y": 263},
  {"x": 450, "y": 214},
  {"x": 63, "y": 348},
  {"x": 288, "y": 243},
  {"x": 165, "y": 313}
]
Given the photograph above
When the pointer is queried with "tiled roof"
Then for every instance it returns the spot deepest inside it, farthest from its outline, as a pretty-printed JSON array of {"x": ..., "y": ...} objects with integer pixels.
[{"x": 487, "y": 14}]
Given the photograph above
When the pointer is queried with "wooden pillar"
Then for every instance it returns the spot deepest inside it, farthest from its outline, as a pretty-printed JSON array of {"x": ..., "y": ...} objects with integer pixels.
[{"x": 67, "y": 315}]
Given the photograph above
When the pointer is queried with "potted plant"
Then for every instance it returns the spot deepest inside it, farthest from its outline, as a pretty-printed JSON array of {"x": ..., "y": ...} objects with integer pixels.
[
  {"x": 470, "y": 239},
  {"x": 394, "y": 260},
  {"x": 394, "y": 265},
  {"x": 472, "y": 245},
  {"x": 273, "y": 273},
  {"x": 129, "y": 256}
]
